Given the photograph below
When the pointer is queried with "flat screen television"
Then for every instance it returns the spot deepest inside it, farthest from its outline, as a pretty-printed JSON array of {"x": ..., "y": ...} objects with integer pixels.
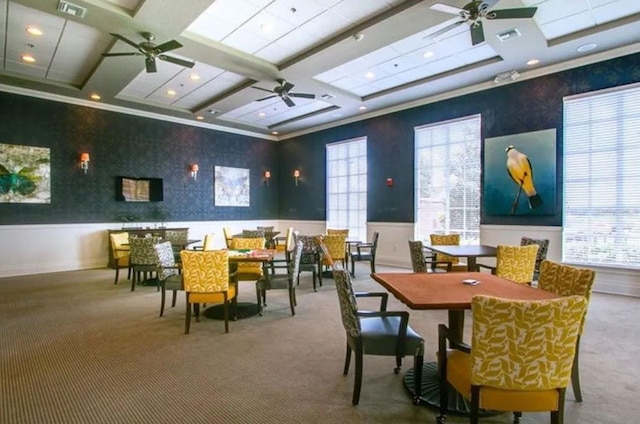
[{"x": 133, "y": 189}]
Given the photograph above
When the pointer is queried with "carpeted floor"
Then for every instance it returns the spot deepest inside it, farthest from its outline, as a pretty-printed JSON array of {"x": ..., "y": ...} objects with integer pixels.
[{"x": 77, "y": 349}]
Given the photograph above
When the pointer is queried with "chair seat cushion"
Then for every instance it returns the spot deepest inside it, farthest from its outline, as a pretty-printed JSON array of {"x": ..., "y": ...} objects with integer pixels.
[
  {"x": 379, "y": 333},
  {"x": 249, "y": 275},
  {"x": 212, "y": 297},
  {"x": 362, "y": 256},
  {"x": 459, "y": 375},
  {"x": 174, "y": 282},
  {"x": 274, "y": 282}
]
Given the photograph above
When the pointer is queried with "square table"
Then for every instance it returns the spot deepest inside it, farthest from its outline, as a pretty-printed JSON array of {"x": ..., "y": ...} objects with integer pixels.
[
  {"x": 471, "y": 252},
  {"x": 427, "y": 291}
]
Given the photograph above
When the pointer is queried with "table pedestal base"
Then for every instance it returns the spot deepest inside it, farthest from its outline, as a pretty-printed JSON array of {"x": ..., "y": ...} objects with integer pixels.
[
  {"x": 245, "y": 310},
  {"x": 431, "y": 391}
]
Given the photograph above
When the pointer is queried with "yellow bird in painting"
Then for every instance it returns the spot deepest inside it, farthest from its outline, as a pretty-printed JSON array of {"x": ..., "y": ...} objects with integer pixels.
[{"x": 520, "y": 170}]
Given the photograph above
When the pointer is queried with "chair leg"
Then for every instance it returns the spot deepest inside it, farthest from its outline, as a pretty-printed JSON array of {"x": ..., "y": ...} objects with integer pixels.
[
  {"x": 557, "y": 417},
  {"x": 418, "y": 360},
  {"x": 357, "y": 384},
  {"x": 320, "y": 275},
  {"x": 353, "y": 268},
  {"x": 347, "y": 360},
  {"x": 516, "y": 417},
  {"x": 292, "y": 300},
  {"x": 226, "y": 314},
  {"x": 162, "y": 298},
  {"x": 259, "y": 298},
  {"x": 575, "y": 374},
  {"x": 398, "y": 367},
  {"x": 196, "y": 311},
  {"x": 475, "y": 404},
  {"x": 173, "y": 298},
  {"x": 373, "y": 265},
  {"x": 313, "y": 275},
  {"x": 117, "y": 272},
  {"x": 134, "y": 280},
  {"x": 187, "y": 322}
]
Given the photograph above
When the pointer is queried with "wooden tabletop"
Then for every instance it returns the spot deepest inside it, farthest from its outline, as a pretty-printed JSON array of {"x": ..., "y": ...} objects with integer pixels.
[
  {"x": 478, "y": 250},
  {"x": 446, "y": 290},
  {"x": 253, "y": 255}
]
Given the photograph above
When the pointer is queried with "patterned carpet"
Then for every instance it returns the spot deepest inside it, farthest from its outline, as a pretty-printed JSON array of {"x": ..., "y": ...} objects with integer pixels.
[{"x": 77, "y": 349}]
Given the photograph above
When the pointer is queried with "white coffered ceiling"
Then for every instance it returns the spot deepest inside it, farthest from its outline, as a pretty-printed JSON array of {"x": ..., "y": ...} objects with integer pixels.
[{"x": 357, "y": 57}]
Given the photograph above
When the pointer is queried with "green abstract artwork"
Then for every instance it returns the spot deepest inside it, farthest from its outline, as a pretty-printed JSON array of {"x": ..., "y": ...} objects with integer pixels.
[{"x": 25, "y": 174}]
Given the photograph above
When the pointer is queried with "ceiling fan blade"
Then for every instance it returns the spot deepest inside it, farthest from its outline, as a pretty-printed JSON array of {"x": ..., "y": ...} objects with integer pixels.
[
  {"x": 265, "y": 98},
  {"x": 121, "y": 54},
  {"x": 520, "y": 13},
  {"x": 150, "y": 64},
  {"x": 287, "y": 86},
  {"x": 169, "y": 45},
  {"x": 303, "y": 95},
  {"x": 444, "y": 30},
  {"x": 445, "y": 8},
  {"x": 177, "y": 61},
  {"x": 260, "y": 88},
  {"x": 288, "y": 101},
  {"x": 477, "y": 33},
  {"x": 126, "y": 40}
]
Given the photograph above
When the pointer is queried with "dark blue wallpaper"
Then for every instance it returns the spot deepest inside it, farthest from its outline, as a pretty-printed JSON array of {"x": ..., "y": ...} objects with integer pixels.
[
  {"x": 127, "y": 145},
  {"x": 515, "y": 108}
]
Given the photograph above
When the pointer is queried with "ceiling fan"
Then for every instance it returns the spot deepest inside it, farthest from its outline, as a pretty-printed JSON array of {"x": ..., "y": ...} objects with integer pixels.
[
  {"x": 283, "y": 91},
  {"x": 475, "y": 12},
  {"x": 151, "y": 51}
]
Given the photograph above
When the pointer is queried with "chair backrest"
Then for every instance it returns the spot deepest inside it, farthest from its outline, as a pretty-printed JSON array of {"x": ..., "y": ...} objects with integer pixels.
[
  {"x": 289, "y": 242},
  {"x": 208, "y": 244},
  {"x": 524, "y": 345},
  {"x": 118, "y": 242},
  {"x": 205, "y": 271},
  {"x": 335, "y": 244},
  {"x": 253, "y": 233},
  {"x": 374, "y": 242},
  {"x": 227, "y": 236},
  {"x": 417, "y": 256},
  {"x": 248, "y": 243},
  {"x": 294, "y": 264},
  {"x": 164, "y": 260},
  {"x": 565, "y": 280},
  {"x": 347, "y": 299},
  {"x": 310, "y": 248},
  {"x": 177, "y": 237},
  {"x": 543, "y": 248},
  {"x": 516, "y": 263},
  {"x": 445, "y": 240},
  {"x": 325, "y": 251},
  {"x": 268, "y": 229},
  {"x": 142, "y": 251},
  {"x": 343, "y": 232}
]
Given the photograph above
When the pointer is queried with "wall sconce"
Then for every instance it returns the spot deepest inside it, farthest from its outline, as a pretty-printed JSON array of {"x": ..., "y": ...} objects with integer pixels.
[
  {"x": 194, "y": 171},
  {"x": 267, "y": 177},
  {"x": 296, "y": 176},
  {"x": 389, "y": 182},
  {"x": 84, "y": 162}
]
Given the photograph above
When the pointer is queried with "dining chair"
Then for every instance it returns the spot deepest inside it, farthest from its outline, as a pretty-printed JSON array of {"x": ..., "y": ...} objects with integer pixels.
[
  {"x": 287, "y": 281},
  {"x": 543, "y": 248},
  {"x": 248, "y": 271},
  {"x": 120, "y": 251},
  {"x": 226, "y": 231},
  {"x": 168, "y": 272},
  {"x": 420, "y": 263},
  {"x": 336, "y": 247},
  {"x": 365, "y": 252},
  {"x": 179, "y": 239},
  {"x": 253, "y": 233},
  {"x": 381, "y": 332},
  {"x": 515, "y": 263},
  {"x": 566, "y": 280},
  {"x": 519, "y": 359},
  {"x": 283, "y": 245},
  {"x": 143, "y": 257},
  {"x": 206, "y": 280},
  {"x": 310, "y": 258},
  {"x": 448, "y": 240}
]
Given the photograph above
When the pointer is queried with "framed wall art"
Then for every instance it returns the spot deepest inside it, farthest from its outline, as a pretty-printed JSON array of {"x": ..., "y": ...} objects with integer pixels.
[
  {"x": 25, "y": 174},
  {"x": 231, "y": 186}
]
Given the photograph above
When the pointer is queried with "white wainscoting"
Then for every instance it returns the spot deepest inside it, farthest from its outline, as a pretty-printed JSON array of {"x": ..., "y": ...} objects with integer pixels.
[{"x": 36, "y": 249}]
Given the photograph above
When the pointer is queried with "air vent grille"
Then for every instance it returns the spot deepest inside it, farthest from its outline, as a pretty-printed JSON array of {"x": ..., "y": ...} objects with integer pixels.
[{"x": 72, "y": 9}]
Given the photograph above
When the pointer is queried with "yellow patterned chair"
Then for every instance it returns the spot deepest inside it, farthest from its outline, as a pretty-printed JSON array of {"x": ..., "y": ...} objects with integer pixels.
[
  {"x": 336, "y": 247},
  {"x": 447, "y": 240},
  {"x": 120, "y": 251},
  {"x": 519, "y": 359},
  {"x": 205, "y": 277},
  {"x": 515, "y": 263},
  {"x": 248, "y": 271},
  {"x": 565, "y": 280}
]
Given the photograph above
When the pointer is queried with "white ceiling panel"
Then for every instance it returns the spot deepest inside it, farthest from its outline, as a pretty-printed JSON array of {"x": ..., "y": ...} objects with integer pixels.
[
  {"x": 295, "y": 12},
  {"x": 125, "y": 4}
]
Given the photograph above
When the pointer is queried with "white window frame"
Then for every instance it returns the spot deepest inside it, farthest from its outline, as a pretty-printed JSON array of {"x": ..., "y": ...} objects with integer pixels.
[
  {"x": 433, "y": 212},
  {"x": 601, "y": 169},
  {"x": 347, "y": 186}
]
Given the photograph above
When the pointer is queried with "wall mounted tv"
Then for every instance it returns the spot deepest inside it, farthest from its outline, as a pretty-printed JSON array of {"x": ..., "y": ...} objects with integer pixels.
[{"x": 133, "y": 189}]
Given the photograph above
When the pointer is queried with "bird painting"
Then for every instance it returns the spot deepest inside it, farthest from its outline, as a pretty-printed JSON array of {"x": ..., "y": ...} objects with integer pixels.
[{"x": 521, "y": 172}]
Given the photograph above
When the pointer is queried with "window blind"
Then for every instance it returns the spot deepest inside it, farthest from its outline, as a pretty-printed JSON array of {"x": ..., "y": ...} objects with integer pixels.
[
  {"x": 601, "y": 202},
  {"x": 447, "y": 179},
  {"x": 347, "y": 187}
]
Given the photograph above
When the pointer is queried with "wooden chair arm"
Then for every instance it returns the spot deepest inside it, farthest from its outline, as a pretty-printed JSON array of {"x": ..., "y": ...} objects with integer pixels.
[
  {"x": 489, "y": 267},
  {"x": 384, "y": 298}
]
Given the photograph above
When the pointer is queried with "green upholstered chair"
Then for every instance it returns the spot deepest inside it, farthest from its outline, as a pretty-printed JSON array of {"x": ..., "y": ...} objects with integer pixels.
[
  {"x": 168, "y": 272},
  {"x": 310, "y": 256},
  {"x": 282, "y": 281},
  {"x": 143, "y": 257}
]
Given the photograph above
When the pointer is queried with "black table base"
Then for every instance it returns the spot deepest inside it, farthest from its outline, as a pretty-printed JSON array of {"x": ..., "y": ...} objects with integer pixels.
[
  {"x": 245, "y": 310},
  {"x": 430, "y": 389}
]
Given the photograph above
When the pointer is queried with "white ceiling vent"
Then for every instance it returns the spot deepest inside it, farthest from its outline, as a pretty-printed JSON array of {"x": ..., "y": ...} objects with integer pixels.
[
  {"x": 510, "y": 33},
  {"x": 506, "y": 76},
  {"x": 327, "y": 96},
  {"x": 72, "y": 9}
]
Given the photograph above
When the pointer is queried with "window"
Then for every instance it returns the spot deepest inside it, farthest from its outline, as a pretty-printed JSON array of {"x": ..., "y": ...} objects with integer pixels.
[
  {"x": 601, "y": 219},
  {"x": 447, "y": 179},
  {"x": 347, "y": 187}
]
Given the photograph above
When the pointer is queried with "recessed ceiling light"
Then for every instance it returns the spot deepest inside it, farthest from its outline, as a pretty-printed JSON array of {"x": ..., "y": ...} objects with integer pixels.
[
  {"x": 274, "y": 132},
  {"x": 587, "y": 47},
  {"x": 533, "y": 62},
  {"x": 428, "y": 54},
  {"x": 28, "y": 58},
  {"x": 359, "y": 36},
  {"x": 363, "y": 107},
  {"x": 171, "y": 92},
  {"x": 266, "y": 27},
  {"x": 194, "y": 77},
  {"x": 95, "y": 96},
  {"x": 199, "y": 117},
  {"x": 262, "y": 114},
  {"x": 370, "y": 75},
  {"x": 34, "y": 31},
  {"x": 213, "y": 111}
]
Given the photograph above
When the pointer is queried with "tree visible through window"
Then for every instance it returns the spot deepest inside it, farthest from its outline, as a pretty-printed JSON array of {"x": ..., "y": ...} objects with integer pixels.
[
  {"x": 347, "y": 187},
  {"x": 447, "y": 179}
]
